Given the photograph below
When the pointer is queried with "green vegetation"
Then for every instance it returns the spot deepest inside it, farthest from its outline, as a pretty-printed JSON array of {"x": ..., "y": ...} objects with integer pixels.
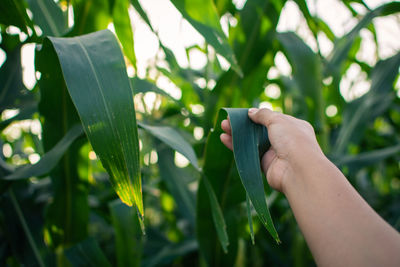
[{"x": 74, "y": 149}]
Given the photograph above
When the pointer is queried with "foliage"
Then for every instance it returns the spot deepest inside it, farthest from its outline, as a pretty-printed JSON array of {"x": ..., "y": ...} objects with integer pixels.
[{"x": 65, "y": 210}]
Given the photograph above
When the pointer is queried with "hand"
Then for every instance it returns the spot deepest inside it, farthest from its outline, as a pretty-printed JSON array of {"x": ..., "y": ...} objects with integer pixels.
[{"x": 293, "y": 145}]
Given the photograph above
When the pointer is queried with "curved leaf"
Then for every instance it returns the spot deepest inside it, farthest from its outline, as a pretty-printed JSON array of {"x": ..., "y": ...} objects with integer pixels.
[
  {"x": 204, "y": 18},
  {"x": 102, "y": 94},
  {"x": 49, "y": 16},
  {"x": 87, "y": 254},
  {"x": 123, "y": 28},
  {"x": 50, "y": 159},
  {"x": 250, "y": 140},
  {"x": 173, "y": 139}
]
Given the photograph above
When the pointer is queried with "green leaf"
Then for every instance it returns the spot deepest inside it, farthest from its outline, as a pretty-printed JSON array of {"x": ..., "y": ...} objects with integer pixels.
[
  {"x": 49, "y": 16},
  {"x": 13, "y": 93},
  {"x": 87, "y": 254},
  {"x": 250, "y": 141},
  {"x": 203, "y": 16},
  {"x": 360, "y": 112},
  {"x": 169, "y": 253},
  {"x": 67, "y": 215},
  {"x": 217, "y": 216},
  {"x": 305, "y": 64},
  {"x": 128, "y": 234},
  {"x": 123, "y": 28},
  {"x": 13, "y": 12},
  {"x": 250, "y": 218},
  {"x": 90, "y": 16},
  {"x": 344, "y": 44},
  {"x": 173, "y": 139},
  {"x": 50, "y": 159},
  {"x": 102, "y": 94},
  {"x": 176, "y": 185},
  {"x": 145, "y": 86},
  {"x": 220, "y": 171},
  {"x": 367, "y": 158}
]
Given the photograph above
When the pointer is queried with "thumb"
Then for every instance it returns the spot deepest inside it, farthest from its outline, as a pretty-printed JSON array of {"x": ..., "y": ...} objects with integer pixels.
[{"x": 261, "y": 116}]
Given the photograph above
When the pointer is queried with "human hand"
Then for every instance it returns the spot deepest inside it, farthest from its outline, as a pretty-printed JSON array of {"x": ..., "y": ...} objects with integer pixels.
[{"x": 294, "y": 146}]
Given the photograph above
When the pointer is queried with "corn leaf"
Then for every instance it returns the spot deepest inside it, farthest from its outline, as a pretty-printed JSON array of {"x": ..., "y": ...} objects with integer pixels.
[
  {"x": 361, "y": 111},
  {"x": 173, "y": 139},
  {"x": 49, "y": 16},
  {"x": 67, "y": 215},
  {"x": 50, "y": 159},
  {"x": 87, "y": 254},
  {"x": 175, "y": 182},
  {"x": 128, "y": 235},
  {"x": 13, "y": 12},
  {"x": 250, "y": 140},
  {"x": 305, "y": 64},
  {"x": 367, "y": 158},
  {"x": 123, "y": 28},
  {"x": 204, "y": 18},
  {"x": 217, "y": 216},
  {"x": 102, "y": 94},
  {"x": 220, "y": 171}
]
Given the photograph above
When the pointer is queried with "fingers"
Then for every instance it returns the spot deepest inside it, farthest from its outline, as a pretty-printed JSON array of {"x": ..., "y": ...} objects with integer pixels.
[
  {"x": 226, "y": 126},
  {"x": 262, "y": 116},
  {"x": 267, "y": 159},
  {"x": 226, "y": 139}
]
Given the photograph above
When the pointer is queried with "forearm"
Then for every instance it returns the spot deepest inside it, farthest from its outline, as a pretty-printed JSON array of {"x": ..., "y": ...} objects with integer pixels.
[{"x": 340, "y": 228}]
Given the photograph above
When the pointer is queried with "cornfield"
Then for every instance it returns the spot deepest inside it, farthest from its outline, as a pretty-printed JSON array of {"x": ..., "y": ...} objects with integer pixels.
[{"x": 95, "y": 174}]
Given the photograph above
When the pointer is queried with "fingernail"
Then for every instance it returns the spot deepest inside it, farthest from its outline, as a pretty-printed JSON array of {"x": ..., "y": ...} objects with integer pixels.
[{"x": 252, "y": 110}]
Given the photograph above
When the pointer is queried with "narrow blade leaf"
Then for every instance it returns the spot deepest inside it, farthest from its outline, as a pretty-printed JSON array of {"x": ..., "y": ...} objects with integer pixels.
[
  {"x": 50, "y": 159},
  {"x": 249, "y": 141},
  {"x": 173, "y": 139},
  {"x": 204, "y": 18},
  {"x": 128, "y": 234},
  {"x": 49, "y": 16},
  {"x": 102, "y": 94},
  {"x": 87, "y": 254},
  {"x": 217, "y": 216}
]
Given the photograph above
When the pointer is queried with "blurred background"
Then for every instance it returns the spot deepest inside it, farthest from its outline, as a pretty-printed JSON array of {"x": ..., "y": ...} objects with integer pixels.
[{"x": 332, "y": 63}]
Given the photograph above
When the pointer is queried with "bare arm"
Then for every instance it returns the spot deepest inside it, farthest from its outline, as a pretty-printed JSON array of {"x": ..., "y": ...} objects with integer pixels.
[{"x": 340, "y": 228}]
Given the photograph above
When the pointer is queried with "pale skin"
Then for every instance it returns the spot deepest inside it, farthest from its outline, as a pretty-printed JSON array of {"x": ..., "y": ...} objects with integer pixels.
[{"x": 340, "y": 228}]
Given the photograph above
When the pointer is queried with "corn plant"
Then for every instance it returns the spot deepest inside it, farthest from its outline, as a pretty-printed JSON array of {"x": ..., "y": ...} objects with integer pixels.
[{"x": 106, "y": 188}]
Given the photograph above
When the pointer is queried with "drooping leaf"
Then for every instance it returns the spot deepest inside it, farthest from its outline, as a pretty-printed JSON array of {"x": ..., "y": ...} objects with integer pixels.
[
  {"x": 344, "y": 44},
  {"x": 49, "y": 16},
  {"x": 367, "y": 158},
  {"x": 87, "y": 254},
  {"x": 170, "y": 252},
  {"x": 67, "y": 216},
  {"x": 123, "y": 28},
  {"x": 360, "y": 112},
  {"x": 145, "y": 86},
  {"x": 305, "y": 64},
  {"x": 250, "y": 141},
  {"x": 173, "y": 139},
  {"x": 50, "y": 159},
  {"x": 103, "y": 97},
  {"x": 128, "y": 234},
  {"x": 217, "y": 216},
  {"x": 204, "y": 18},
  {"x": 220, "y": 170},
  {"x": 175, "y": 183},
  {"x": 13, "y": 12}
]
